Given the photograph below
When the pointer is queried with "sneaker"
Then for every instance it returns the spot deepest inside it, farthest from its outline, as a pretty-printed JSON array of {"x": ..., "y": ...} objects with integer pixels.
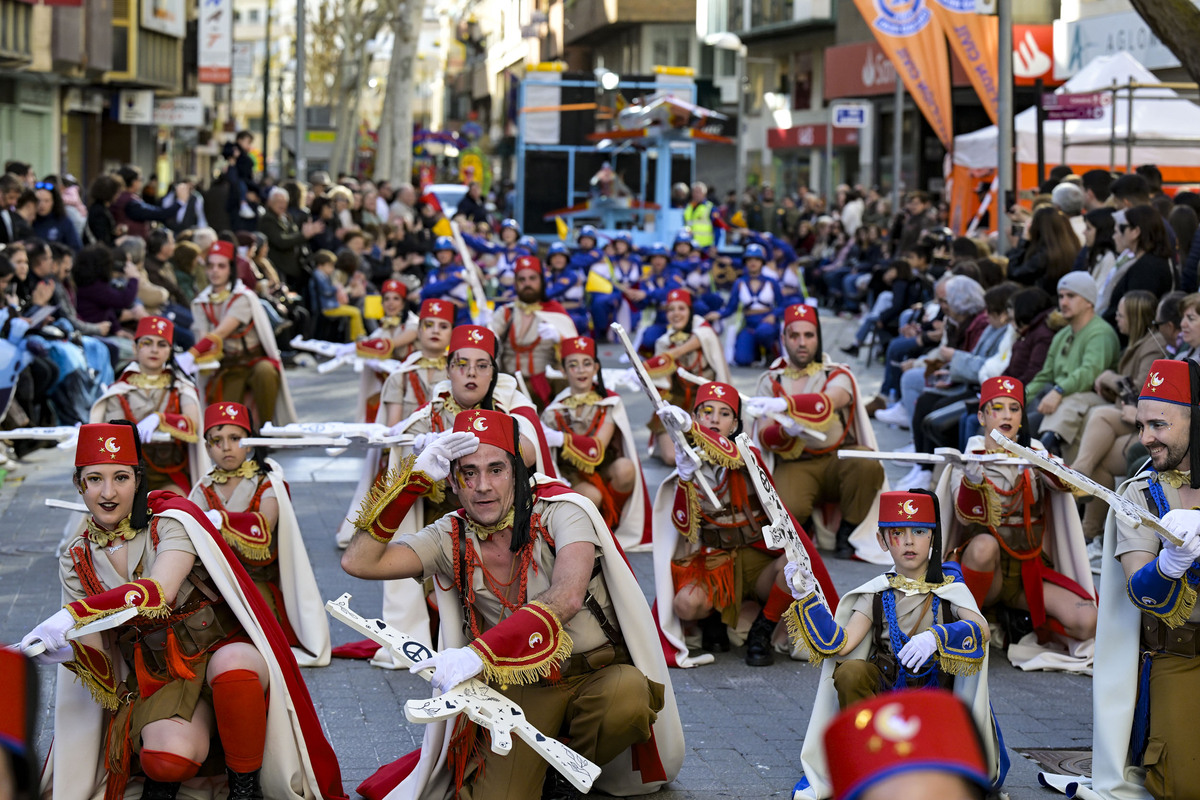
[
  {"x": 850, "y": 350},
  {"x": 915, "y": 478},
  {"x": 894, "y": 415}
]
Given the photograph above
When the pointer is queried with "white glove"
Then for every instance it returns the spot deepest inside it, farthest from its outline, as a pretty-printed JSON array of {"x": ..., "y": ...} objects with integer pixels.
[
  {"x": 973, "y": 472},
  {"x": 51, "y": 657},
  {"x": 918, "y": 650},
  {"x": 214, "y": 517},
  {"x": 343, "y": 350},
  {"x": 684, "y": 465},
  {"x": 421, "y": 440},
  {"x": 554, "y": 437},
  {"x": 186, "y": 362},
  {"x": 438, "y": 452},
  {"x": 147, "y": 427},
  {"x": 485, "y": 317},
  {"x": 629, "y": 377},
  {"x": 675, "y": 418},
  {"x": 762, "y": 406},
  {"x": 801, "y": 582},
  {"x": 1174, "y": 560},
  {"x": 52, "y": 632},
  {"x": 547, "y": 332},
  {"x": 792, "y": 428},
  {"x": 450, "y": 667}
]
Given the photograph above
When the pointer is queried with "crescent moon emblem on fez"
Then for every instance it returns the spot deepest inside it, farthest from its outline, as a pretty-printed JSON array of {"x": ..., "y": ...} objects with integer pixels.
[
  {"x": 893, "y": 727},
  {"x": 909, "y": 507},
  {"x": 110, "y": 444},
  {"x": 1156, "y": 379},
  {"x": 479, "y": 424}
]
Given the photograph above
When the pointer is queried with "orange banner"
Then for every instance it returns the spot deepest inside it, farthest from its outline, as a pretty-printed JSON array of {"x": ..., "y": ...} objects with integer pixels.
[
  {"x": 975, "y": 39},
  {"x": 912, "y": 38}
]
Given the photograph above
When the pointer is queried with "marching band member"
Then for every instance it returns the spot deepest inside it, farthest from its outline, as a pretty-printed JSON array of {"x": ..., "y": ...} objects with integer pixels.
[
  {"x": 567, "y": 635},
  {"x": 914, "y": 626},
  {"x": 564, "y": 284},
  {"x": 691, "y": 344},
  {"x": 250, "y": 503},
  {"x": 709, "y": 559},
  {"x": 156, "y": 397},
  {"x": 596, "y": 451},
  {"x": 232, "y": 328},
  {"x": 815, "y": 394},
  {"x": 1018, "y": 537},
  {"x": 197, "y": 661},
  {"x": 391, "y": 340},
  {"x": 446, "y": 281},
  {"x": 760, "y": 299},
  {"x": 529, "y": 329}
]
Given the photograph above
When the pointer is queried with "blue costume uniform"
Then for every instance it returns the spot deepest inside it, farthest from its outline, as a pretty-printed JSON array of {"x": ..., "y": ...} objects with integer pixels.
[
  {"x": 757, "y": 299},
  {"x": 566, "y": 286},
  {"x": 626, "y": 270},
  {"x": 446, "y": 282},
  {"x": 657, "y": 287}
]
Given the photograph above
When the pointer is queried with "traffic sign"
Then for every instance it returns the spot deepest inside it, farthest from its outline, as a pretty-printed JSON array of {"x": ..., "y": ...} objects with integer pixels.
[
  {"x": 850, "y": 115},
  {"x": 1079, "y": 105}
]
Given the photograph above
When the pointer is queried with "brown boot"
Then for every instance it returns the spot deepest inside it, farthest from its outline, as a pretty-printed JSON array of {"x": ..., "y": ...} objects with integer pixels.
[{"x": 876, "y": 403}]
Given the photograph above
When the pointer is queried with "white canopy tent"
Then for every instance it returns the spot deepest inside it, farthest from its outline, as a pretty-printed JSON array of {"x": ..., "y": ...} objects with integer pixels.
[{"x": 1164, "y": 131}]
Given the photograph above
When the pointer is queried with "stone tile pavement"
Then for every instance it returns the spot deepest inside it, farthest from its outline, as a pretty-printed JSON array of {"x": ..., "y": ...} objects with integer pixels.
[{"x": 743, "y": 725}]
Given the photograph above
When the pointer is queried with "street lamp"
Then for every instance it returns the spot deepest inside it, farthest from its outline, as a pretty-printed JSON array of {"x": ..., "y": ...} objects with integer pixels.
[
  {"x": 608, "y": 79},
  {"x": 731, "y": 41}
]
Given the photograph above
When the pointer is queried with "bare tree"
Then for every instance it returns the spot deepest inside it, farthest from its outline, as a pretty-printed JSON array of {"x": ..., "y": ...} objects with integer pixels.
[
  {"x": 393, "y": 159},
  {"x": 1177, "y": 24},
  {"x": 322, "y": 54},
  {"x": 361, "y": 21}
]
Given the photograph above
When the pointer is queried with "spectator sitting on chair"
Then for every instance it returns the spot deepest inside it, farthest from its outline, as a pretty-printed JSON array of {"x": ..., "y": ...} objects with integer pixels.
[
  {"x": 331, "y": 298},
  {"x": 1062, "y": 391}
]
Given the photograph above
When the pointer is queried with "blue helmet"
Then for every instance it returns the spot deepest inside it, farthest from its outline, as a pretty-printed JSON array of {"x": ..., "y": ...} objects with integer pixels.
[
  {"x": 684, "y": 235},
  {"x": 443, "y": 243},
  {"x": 588, "y": 230},
  {"x": 623, "y": 236},
  {"x": 557, "y": 248},
  {"x": 754, "y": 251},
  {"x": 511, "y": 223},
  {"x": 657, "y": 249},
  {"x": 529, "y": 243}
]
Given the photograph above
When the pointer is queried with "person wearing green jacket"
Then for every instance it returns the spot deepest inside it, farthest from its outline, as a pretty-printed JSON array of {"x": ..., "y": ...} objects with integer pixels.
[{"x": 1062, "y": 391}]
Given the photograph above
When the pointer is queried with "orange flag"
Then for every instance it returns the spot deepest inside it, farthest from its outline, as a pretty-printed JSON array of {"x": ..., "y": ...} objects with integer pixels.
[
  {"x": 912, "y": 38},
  {"x": 975, "y": 39}
]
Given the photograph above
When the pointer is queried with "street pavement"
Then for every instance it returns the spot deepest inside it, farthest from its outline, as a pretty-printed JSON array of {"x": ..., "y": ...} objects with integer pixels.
[{"x": 743, "y": 725}]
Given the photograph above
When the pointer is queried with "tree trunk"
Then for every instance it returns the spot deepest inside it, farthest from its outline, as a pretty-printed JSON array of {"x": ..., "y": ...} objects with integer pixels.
[
  {"x": 1177, "y": 24},
  {"x": 383, "y": 144},
  {"x": 346, "y": 84},
  {"x": 407, "y": 28}
]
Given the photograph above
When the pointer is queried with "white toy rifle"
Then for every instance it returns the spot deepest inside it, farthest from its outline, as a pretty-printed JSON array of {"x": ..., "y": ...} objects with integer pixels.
[
  {"x": 334, "y": 352},
  {"x": 787, "y": 422},
  {"x": 37, "y": 647},
  {"x": 779, "y": 534},
  {"x": 614, "y": 379},
  {"x": 65, "y": 435},
  {"x": 477, "y": 301},
  {"x": 651, "y": 391},
  {"x": 1131, "y": 513},
  {"x": 482, "y": 704},
  {"x": 941, "y": 455}
]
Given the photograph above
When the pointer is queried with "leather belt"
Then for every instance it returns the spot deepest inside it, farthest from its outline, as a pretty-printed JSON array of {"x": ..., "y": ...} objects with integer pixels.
[{"x": 1158, "y": 637}]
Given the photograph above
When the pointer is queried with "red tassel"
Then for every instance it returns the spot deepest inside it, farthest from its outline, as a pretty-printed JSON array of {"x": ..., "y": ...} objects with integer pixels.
[
  {"x": 177, "y": 663},
  {"x": 118, "y": 773},
  {"x": 147, "y": 683}
]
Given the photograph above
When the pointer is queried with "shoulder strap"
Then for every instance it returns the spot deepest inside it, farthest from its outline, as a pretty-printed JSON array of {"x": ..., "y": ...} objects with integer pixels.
[
  {"x": 877, "y": 622},
  {"x": 593, "y": 605}
]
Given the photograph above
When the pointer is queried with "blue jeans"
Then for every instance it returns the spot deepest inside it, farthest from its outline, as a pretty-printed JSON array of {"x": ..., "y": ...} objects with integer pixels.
[{"x": 899, "y": 349}]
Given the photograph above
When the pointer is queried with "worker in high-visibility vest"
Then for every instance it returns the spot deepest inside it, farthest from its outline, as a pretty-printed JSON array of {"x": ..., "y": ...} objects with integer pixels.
[{"x": 701, "y": 217}]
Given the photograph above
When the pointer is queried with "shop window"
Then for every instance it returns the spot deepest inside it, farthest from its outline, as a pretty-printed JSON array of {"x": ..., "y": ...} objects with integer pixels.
[{"x": 802, "y": 81}]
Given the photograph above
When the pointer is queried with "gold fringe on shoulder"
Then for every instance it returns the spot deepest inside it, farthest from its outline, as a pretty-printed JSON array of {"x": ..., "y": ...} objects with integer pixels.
[
  {"x": 388, "y": 487},
  {"x": 713, "y": 454},
  {"x": 957, "y": 665},
  {"x": 1182, "y": 611}
]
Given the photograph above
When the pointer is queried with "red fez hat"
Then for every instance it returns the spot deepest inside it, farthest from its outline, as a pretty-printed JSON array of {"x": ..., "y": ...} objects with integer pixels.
[
  {"x": 1001, "y": 387},
  {"x": 528, "y": 264},
  {"x": 800, "y": 312},
  {"x": 905, "y": 731},
  {"x": 906, "y": 510},
  {"x": 222, "y": 248},
  {"x": 395, "y": 287},
  {"x": 473, "y": 336},
  {"x": 721, "y": 393},
  {"x": 492, "y": 427},
  {"x": 578, "y": 345},
  {"x": 1169, "y": 381},
  {"x": 106, "y": 443},
  {"x": 226, "y": 413},
  {"x": 438, "y": 308},
  {"x": 680, "y": 296},
  {"x": 155, "y": 326}
]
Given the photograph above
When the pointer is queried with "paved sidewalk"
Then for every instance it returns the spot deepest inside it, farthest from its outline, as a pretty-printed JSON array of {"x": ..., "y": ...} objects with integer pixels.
[{"x": 743, "y": 725}]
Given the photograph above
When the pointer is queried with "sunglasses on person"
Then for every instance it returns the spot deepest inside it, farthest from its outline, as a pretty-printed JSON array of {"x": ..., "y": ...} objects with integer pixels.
[{"x": 49, "y": 187}]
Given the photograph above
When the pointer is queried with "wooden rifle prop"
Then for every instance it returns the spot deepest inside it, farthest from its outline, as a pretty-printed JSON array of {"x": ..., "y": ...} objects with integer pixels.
[
  {"x": 783, "y": 420},
  {"x": 941, "y": 455},
  {"x": 482, "y": 704},
  {"x": 1131, "y": 513},
  {"x": 477, "y": 302},
  {"x": 779, "y": 534},
  {"x": 651, "y": 391}
]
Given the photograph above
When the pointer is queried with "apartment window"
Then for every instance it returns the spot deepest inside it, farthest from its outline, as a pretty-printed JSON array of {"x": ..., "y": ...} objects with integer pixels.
[
  {"x": 802, "y": 81},
  {"x": 661, "y": 53},
  {"x": 253, "y": 15},
  {"x": 683, "y": 52},
  {"x": 237, "y": 16}
]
